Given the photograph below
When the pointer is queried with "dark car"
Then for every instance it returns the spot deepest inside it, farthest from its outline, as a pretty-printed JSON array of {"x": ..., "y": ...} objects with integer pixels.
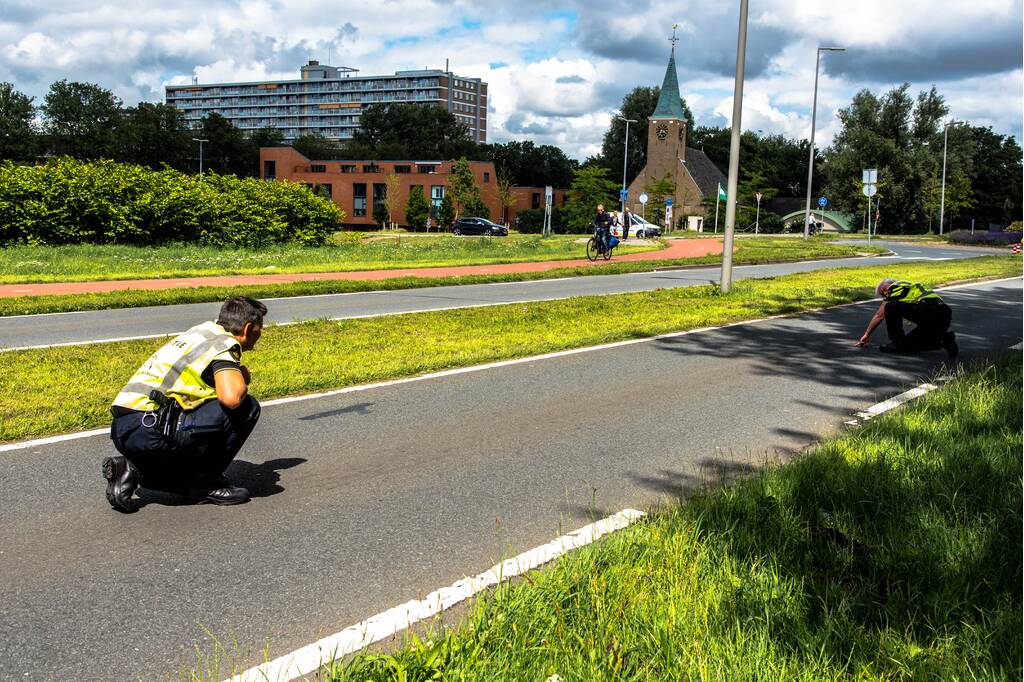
[{"x": 479, "y": 226}]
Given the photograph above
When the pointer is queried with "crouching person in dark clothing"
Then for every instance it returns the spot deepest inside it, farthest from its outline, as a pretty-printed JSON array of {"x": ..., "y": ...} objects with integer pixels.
[
  {"x": 185, "y": 414},
  {"x": 919, "y": 305}
]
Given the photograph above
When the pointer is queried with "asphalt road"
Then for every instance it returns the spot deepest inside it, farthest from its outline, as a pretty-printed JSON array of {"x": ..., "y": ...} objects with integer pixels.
[
  {"x": 365, "y": 500},
  {"x": 36, "y": 330}
]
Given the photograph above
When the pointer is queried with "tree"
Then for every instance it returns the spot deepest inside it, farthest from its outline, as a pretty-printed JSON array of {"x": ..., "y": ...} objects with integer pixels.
[
  {"x": 445, "y": 214},
  {"x": 462, "y": 186},
  {"x": 531, "y": 165},
  {"x": 18, "y": 140},
  {"x": 995, "y": 176},
  {"x": 411, "y": 131},
  {"x": 267, "y": 136},
  {"x": 417, "y": 210},
  {"x": 316, "y": 147},
  {"x": 590, "y": 187},
  {"x": 477, "y": 208},
  {"x": 659, "y": 189},
  {"x": 228, "y": 150},
  {"x": 505, "y": 195},
  {"x": 393, "y": 185},
  {"x": 80, "y": 120},
  {"x": 638, "y": 105},
  {"x": 153, "y": 135},
  {"x": 754, "y": 182}
]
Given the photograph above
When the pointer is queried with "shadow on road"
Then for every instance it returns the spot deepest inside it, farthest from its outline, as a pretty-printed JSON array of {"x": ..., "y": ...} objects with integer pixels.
[
  {"x": 262, "y": 480},
  {"x": 358, "y": 408}
]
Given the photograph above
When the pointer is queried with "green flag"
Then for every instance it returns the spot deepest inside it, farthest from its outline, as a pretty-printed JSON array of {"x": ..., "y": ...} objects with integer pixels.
[{"x": 722, "y": 196}]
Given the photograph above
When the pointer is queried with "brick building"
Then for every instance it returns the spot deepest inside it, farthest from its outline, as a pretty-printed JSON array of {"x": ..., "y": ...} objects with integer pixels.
[
  {"x": 328, "y": 100},
  {"x": 357, "y": 186}
]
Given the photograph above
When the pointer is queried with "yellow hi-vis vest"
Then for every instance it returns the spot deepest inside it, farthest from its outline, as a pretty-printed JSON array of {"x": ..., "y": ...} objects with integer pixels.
[
  {"x": 908, "y": 292},
  {"x": 177, "y": 368}
]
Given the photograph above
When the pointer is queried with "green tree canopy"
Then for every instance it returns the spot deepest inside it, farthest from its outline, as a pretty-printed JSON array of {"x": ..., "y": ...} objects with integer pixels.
[
  {"x": 462, "y": 187},
  {"x": 411, "y": 131},
  {"x": 153, "y": 135},
  {"x": 18, "y": 140},
  {"x": 532, "y": 165},
  {"x": 80, "y": 120},
  {"x": 417, "y": 210},
  {"x": 659, "y": 189},
  {"x": 591, "y": 186}
]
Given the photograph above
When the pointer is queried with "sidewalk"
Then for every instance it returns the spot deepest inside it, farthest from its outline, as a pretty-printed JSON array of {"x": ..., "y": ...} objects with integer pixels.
[{"x": 678, "y": 248}]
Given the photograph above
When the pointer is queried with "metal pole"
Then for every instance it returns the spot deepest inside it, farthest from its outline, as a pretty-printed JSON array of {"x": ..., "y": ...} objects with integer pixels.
[
  {"x": 200, "y": 141},
  {"x": 942, "y": 202},
  {"x": 734, "y": 152},
  {"x": 757, "y": 217},
  {"x": 814, "y": 116},
  {"x": 869, "y": 219},
  {"x": 625, "y": 156},
  {"x": 718, "y": 200}
]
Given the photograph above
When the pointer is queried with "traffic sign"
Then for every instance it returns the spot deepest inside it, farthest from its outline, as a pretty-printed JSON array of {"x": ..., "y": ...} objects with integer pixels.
[
  {"x": 668, "y": 202},
  {"x": 823, "y": 202},
  {"x": 623, "y": 194},
  {"x": 870, "y": 190},
  {"x": 643, "y": 198},
  {"x": 870, "y": 176}
]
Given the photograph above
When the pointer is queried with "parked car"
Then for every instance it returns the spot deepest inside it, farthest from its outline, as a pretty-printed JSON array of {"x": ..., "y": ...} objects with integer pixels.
[
  {"x": 640, "y": 229},
  {"x": 479, "y": 226}
]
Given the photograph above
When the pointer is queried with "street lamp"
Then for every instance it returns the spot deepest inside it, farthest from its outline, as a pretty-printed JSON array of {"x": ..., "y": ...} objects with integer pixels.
[
  {"x": 734, "y": 152},
  {"x": 814, "y": 112},
  {"x": 625, "y": 155},
  {"x": 942, "y": 202},
  {"x": 200, "y": 141}
]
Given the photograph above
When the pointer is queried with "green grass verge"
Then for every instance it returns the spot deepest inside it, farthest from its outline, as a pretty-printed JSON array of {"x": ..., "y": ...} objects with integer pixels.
[
  {"x": 752, "y": 251},
  {"x": 89, "y": 262},
  {"x": 889, "y": 553},
  {"x": 321, "y": 354}
]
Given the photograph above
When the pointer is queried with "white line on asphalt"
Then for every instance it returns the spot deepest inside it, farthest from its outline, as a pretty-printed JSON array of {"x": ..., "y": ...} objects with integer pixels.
[
  {"x": 502, "y": 363},
  {"x": 896, "y": 401},
  {"x": 1017, "y": 346},
  {"x": 310, "y": 658}
]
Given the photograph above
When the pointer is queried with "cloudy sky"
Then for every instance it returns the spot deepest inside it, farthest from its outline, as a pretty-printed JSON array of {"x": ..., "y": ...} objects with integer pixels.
[{"x": 557, "y": 70}]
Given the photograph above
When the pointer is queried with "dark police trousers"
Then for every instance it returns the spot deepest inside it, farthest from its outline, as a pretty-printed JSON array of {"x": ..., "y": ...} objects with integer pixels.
[
  {"x": 206, "y": 441},
  {"x": 931, "y": 317}
]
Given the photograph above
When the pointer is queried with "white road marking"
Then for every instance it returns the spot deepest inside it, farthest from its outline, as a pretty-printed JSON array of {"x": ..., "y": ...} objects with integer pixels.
[
  {"x": 1017, "y": 346},
  {"x": 896, "y": 401},
  {"x": 310, "y": 658},
  {"x": 492, "y": 365}
]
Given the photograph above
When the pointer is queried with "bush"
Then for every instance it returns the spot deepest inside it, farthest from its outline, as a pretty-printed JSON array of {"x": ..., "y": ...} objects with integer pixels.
[
  {"x": 531, "y": 221},
  {"x": 67, "y": 201},
  {"x": 1015, "y": 226},
  {"x": 984, "y": 238},
  {"x": 770, "y": 223}
]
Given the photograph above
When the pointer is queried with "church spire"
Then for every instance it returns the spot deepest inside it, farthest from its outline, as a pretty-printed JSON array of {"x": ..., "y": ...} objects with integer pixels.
[{"x": 669, "y": 106}]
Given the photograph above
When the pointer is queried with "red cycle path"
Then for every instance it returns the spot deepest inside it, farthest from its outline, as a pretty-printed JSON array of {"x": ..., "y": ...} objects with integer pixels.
[{"x": 678, "y": 248}]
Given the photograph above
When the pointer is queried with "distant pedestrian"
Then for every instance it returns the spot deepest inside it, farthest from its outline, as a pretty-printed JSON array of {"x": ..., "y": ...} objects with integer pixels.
[
  {"x": 627, "y": 222},
  {"x": 915, "y": 303}
]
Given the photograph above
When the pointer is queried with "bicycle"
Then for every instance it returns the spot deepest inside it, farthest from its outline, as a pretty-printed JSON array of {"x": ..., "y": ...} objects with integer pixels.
[{"x": 594, "y": 249}]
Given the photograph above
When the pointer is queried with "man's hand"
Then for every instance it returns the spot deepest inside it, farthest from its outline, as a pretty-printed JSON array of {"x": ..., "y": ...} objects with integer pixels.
[{"x": 863, "y": 341}]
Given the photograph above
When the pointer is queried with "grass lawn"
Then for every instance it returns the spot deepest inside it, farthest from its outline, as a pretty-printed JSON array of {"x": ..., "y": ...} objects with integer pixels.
[
  {"x": 749, "y": 251},
  {"x": 79, "y": 263},
  {"x": 892, "y": 552},
  {"x": 321, "y": 354}
]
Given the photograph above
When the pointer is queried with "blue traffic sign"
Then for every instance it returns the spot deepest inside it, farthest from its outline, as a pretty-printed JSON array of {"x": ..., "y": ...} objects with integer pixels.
[
  {"x": 623, "y": 194},
  {"x": 823, "y": 202},
  {"x": 668, "y": 202}
]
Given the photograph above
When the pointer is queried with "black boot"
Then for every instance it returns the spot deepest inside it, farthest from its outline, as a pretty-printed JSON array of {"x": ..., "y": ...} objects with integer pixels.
[
  {"x": 122, "y": 480},
  {"x": 222, "y": 492}
]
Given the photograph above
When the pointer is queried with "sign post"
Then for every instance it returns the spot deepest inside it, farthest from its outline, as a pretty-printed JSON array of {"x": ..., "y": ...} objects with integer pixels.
[
  {"x": 822, "y": 203},
  {"x": 643, "y": 205},
  {"x": 870, "y": 180},
  {"x": 668, "y": 214},
  {"x": 548, "y": 194}
]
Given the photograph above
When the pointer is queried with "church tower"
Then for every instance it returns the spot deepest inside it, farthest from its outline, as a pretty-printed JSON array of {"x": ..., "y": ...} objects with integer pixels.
[{"x": 666, "y": 131}]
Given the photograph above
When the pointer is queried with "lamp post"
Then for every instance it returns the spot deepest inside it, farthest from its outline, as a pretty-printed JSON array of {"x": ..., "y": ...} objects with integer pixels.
[
  {"x": 814, "y": 113},
  {"x": 625, "y": 156},
  {"x": 734, "y": 152},
  {"x": 200, "y": 141},
  {"x": 942, "y": 201}
]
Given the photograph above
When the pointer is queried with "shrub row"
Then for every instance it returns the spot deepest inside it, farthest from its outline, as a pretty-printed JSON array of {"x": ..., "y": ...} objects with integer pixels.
[
  {"x": 67, "y": 201},
  {"x": 984, "y": 238},
  {"x": 531, "y": 221}
]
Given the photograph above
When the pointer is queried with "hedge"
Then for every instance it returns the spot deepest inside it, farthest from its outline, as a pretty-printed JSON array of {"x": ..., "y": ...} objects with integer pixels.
[
  {"x": 984, "y": 238},
  {"x": 67, "y": 201},
  {"x": 531, "y": 221}
]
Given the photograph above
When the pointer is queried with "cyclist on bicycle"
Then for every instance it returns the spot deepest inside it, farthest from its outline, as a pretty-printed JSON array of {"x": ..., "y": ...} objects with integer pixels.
[{"x": 602, "y": 227}]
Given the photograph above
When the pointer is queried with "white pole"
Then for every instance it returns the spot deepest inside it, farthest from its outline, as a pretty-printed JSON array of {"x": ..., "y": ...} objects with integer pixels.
[
  {"x": 869, "y": 219},
  {"x": 718, "y": 200},
  {"x": 625, "y": 156},
  {"x": 942, "y": 202},
  {"x": 814, "y": 113},
  {"x": 757, "y": 216},
  {"x": 734, "y": 152}
]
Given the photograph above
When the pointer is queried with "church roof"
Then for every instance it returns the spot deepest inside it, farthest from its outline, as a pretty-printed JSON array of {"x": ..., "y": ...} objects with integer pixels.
[
  {"x": 704, "y": 172},
  {"x": 669, "y": 105}
]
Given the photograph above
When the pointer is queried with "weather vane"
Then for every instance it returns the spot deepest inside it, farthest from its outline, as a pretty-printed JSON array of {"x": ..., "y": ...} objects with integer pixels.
[{"x": 673, "y": 39}]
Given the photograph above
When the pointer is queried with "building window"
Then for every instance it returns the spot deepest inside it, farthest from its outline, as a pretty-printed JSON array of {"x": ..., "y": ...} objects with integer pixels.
[
  {"x": 347, "y": 168},
  {"x": 403, "y": 169},
  {"x": 318, "y": 168},
  {"x": 535, "y": 200},
  {"x": 371, "y": 168},
  {"x": 359, "y": 198},
  {"x": 487, "y": 177},
  {"x": 269, "y": 170},
  {"x": 380, "y": 198},
  {"x": 436, "y": 197},
  {"x": 428, "y": 169}
]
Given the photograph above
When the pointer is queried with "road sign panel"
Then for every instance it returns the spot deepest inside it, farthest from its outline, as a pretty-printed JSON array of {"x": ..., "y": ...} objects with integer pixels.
[
  {"x": 870, "y": 176},
  {"x": 668, "y": 202},
  {"x": 643, "y": 198},
  {"x": 823, "y": 202},
  {"x": 623, "y": 194},
  {"x": 870, "y": 190}
]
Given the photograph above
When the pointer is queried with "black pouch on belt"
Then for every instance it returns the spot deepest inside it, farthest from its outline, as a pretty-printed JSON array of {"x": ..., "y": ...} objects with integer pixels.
[{"x": 167, "y": 416}]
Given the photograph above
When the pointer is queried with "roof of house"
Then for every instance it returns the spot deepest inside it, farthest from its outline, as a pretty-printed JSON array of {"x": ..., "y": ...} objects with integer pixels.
[{"x": 703, "y": 171}]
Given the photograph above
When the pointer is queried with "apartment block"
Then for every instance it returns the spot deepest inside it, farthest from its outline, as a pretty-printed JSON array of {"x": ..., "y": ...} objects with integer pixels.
[
  {"x": 358, "y": 186},
  {"x": 328, "y": 100}
]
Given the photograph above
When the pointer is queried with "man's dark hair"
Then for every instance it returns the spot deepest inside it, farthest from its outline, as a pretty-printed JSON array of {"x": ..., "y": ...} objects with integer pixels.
[{"x": 238, "y": 310}]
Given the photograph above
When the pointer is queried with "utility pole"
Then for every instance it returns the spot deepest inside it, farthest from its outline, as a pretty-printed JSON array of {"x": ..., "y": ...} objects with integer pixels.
[
  {"x": 734, "y": 152},
  {"x": 200, "y": 141},
  {"x": 942, "y": 202},
  {"x": 814, "y": 116},
  {"x": 625, "y": 156}
]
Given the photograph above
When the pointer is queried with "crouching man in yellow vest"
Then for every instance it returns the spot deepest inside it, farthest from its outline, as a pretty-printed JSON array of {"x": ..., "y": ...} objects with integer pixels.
[
  {"x": 185, "y": 414},
  {"x": 902, "y": 300}
]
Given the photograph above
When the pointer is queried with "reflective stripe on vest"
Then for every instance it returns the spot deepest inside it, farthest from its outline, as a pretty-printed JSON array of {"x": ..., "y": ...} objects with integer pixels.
[
  {"x": 908, "y": 292},
  {"x": 176, "y": 369}
]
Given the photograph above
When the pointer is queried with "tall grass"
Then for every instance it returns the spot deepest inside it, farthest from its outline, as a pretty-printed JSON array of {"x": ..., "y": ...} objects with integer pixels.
[{"x": 890, "y": 553}]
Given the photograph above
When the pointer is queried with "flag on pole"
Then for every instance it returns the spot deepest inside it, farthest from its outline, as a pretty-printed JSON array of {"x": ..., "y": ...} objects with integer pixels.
[{"x": 722, "y": 196}]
